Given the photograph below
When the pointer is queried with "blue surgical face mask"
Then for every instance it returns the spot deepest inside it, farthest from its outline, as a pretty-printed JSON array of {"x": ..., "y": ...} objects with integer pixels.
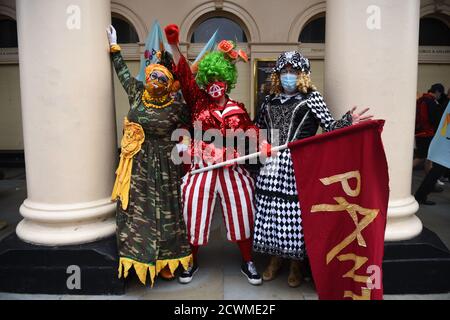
[{"x": 289, "y": 82}]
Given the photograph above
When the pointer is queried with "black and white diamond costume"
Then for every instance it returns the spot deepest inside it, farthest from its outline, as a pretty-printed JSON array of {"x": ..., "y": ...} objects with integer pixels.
[{"x": 278, "y": 227}]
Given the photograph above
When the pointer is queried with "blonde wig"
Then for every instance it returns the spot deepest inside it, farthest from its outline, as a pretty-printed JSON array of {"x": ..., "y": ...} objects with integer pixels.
[{"x": 304, "y": 84}]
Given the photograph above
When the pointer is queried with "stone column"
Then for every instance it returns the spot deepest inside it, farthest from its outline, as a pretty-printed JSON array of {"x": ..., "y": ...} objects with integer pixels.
[
  {"x": 68, "y": 121},
  {"x": 372, "y": 60}
]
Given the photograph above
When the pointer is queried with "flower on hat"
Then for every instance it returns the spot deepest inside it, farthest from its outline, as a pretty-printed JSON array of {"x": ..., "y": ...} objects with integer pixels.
[
  {"x": 243, "y": 55},
  {"x": 228, "y": 48},
  {"x": 225, "y": 46}
]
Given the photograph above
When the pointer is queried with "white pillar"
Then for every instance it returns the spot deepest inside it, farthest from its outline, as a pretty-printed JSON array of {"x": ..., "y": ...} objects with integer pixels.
[
  {"x": 372, "y": 60},
  {"x": 68, "y": 121}
]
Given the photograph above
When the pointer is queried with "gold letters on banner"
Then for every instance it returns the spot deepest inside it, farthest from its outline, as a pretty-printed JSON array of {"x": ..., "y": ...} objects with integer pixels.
[{"x": 342, "y": 205}]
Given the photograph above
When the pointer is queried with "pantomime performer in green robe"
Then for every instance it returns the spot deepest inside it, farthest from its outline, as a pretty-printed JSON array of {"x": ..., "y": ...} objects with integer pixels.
[{"x": 151, "y": 232}]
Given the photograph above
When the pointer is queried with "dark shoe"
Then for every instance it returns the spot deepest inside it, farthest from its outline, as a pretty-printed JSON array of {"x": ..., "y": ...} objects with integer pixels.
[
  {"x": 437, "y": 189},
  {"x": 249, "y": 270},
  {"x": 187, "y": 275},
  {"x": 426, "y": 202}
]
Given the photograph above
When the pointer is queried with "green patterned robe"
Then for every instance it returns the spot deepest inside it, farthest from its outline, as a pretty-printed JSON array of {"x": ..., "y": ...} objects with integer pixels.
[{"x": 151, "y": 231}]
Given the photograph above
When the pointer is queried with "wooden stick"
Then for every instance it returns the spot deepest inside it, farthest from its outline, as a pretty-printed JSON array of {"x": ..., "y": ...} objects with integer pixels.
[{"x": 237, "y": 160}]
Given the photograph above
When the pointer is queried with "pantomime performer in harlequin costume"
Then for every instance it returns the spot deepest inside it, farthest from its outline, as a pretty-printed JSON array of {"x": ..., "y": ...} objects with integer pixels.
[
  {"x": 294, "y": 110},
  {"x": 151, "y": 232},
  {"x": 213, "y": 109}
]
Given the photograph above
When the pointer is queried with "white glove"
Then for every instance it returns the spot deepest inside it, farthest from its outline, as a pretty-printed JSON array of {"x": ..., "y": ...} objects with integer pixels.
[
  {"x": 181, "y": 147},
  {"x": 112, "y": 35}
]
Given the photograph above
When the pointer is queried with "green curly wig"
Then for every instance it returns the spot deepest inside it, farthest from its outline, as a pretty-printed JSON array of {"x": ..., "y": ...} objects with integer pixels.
[{"x": 214, "y": 66}]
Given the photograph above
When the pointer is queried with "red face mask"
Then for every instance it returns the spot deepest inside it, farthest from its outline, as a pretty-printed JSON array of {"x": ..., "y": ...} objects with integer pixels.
[{"x": 216, "y": 90}]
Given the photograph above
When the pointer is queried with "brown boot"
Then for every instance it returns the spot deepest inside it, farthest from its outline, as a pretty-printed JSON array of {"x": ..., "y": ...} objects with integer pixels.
[
  {"x": 295, "y": 275},
  {"x": 166, "y": 274},
  {"x": 272, "y": 269}
]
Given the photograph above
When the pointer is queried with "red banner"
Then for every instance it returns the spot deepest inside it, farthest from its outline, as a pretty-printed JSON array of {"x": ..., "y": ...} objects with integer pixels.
[{"x": 343, "y": 185}]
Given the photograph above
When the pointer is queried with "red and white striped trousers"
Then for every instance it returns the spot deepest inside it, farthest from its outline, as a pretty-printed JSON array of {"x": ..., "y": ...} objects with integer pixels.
[{"x": 235, "y": 187}]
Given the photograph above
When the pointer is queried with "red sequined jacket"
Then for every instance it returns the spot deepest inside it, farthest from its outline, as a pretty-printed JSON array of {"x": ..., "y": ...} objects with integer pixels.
[{"x": 233, "y": 116}]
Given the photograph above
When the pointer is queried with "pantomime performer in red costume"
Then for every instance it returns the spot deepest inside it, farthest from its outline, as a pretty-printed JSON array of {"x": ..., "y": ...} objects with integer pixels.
[{"x": 211, "y": 108}]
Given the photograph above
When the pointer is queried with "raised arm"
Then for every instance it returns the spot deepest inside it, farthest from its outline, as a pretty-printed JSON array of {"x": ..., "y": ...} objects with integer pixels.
[
  {"x": 189, "y": 87},
  {"x": 131, "y": 85},
  {"x": 173, "y": 38}
]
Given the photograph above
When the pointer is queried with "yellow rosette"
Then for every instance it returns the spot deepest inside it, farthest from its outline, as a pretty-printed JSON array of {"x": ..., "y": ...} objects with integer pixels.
[{"x": 132, "y": 140}]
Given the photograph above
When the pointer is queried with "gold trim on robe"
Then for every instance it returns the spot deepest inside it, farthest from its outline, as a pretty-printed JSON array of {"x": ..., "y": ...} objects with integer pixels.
[{"x": 141, "y": 269}]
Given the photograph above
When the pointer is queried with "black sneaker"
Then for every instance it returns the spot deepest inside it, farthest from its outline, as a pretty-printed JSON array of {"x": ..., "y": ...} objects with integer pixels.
[
  {"x": 249, "y": 270},
  {"x": 187, "y": 275},
  {"x": 424, "y": 201}
]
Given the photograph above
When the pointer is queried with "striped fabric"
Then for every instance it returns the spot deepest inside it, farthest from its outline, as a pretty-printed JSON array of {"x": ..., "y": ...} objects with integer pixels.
[{"x": 235, "y": 188}]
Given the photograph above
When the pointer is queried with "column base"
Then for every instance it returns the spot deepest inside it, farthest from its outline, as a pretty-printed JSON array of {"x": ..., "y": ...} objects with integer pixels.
[
  {"x": 64, "y": 225},
  {"x": 404, "y": 228},
  {"x": 57, "y": 234},
  {"x": 26, "y": 268},
  {"x": 402, "y": 224},
  {"x": 416, "y": 266}
]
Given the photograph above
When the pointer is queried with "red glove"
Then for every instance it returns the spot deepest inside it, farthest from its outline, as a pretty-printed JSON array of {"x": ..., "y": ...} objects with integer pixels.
[
  {"x": 266, "y": 149},
  {"x": 172, "y": 34}
]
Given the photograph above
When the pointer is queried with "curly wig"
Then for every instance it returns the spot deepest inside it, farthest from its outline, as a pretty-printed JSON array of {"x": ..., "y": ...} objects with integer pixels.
[
  {"x": 215, "y": 66},
  {"x": 304, "y": 84}
]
